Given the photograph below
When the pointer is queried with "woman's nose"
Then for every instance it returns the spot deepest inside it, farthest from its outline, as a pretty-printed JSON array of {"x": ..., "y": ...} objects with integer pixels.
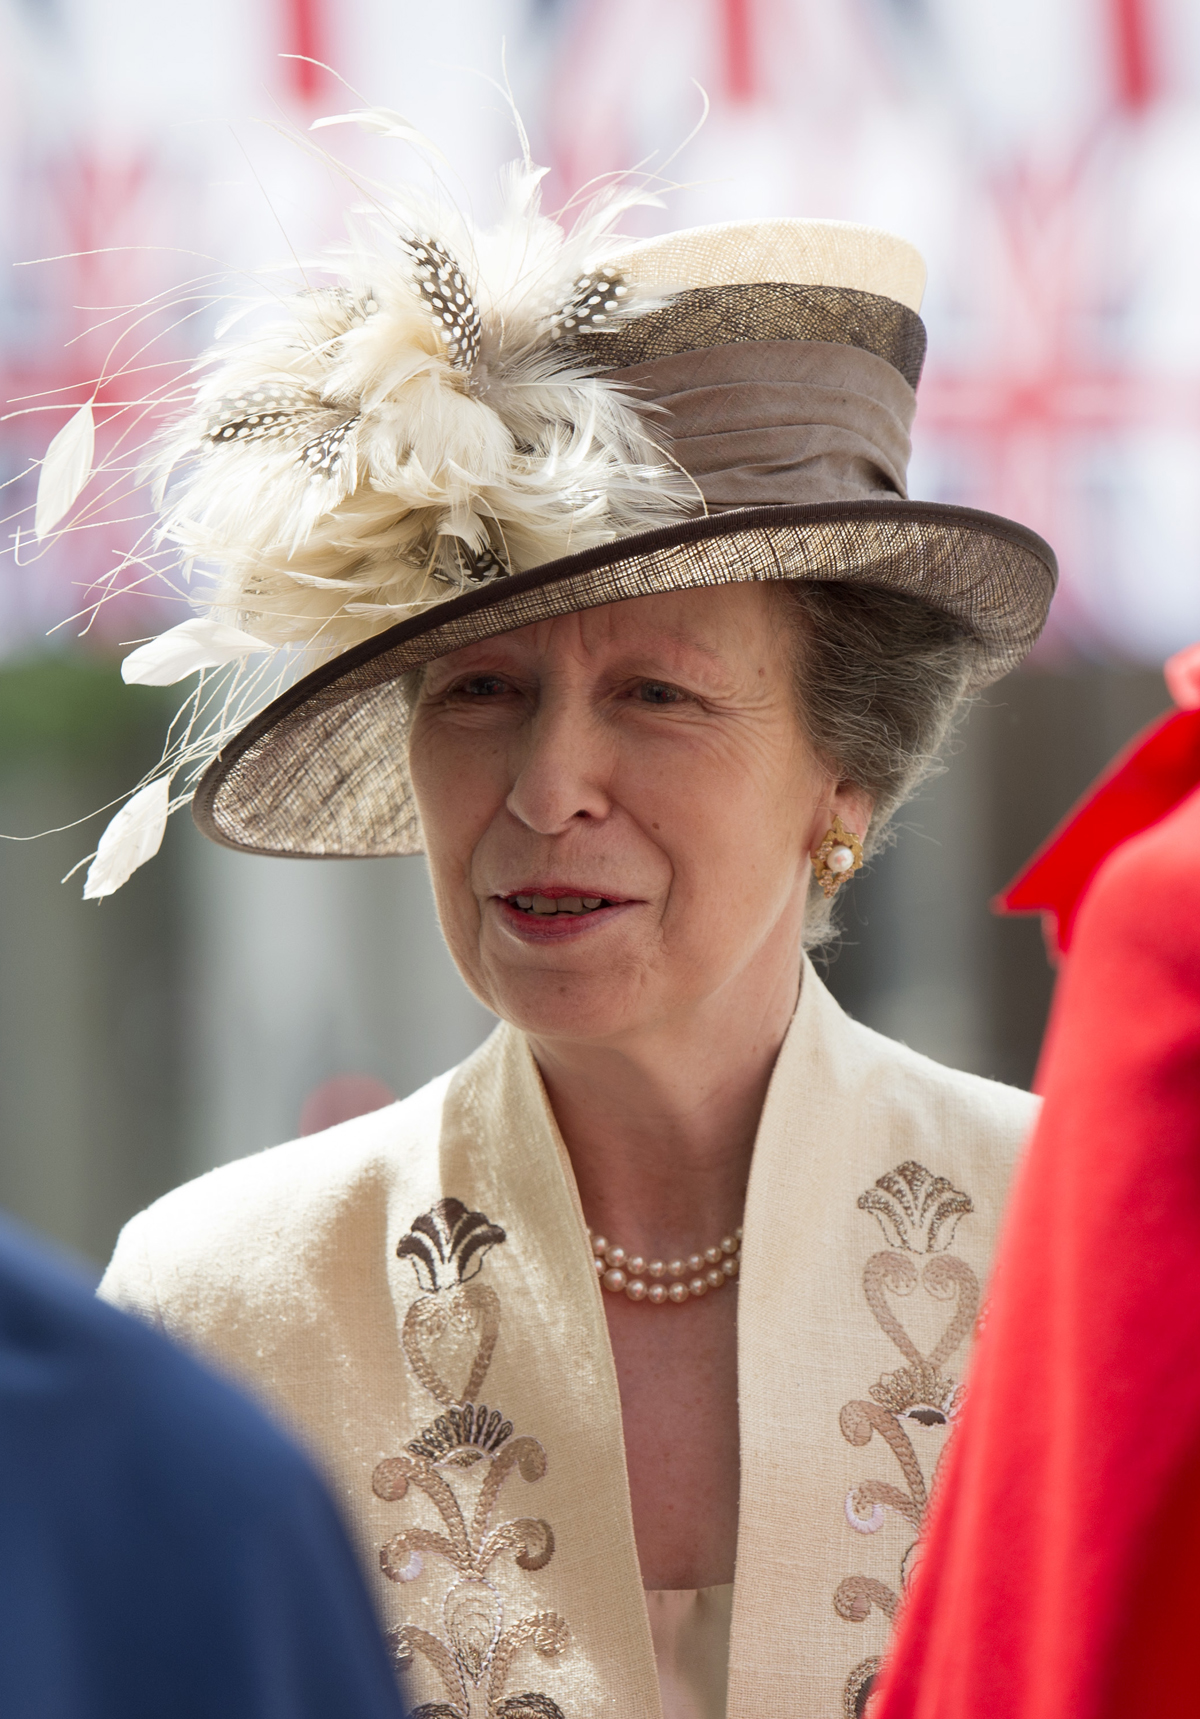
[{"x": 562, "y": 766}]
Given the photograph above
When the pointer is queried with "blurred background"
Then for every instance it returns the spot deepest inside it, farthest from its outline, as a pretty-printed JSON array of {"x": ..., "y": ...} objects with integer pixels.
[{"x": 1045, "y": 157}]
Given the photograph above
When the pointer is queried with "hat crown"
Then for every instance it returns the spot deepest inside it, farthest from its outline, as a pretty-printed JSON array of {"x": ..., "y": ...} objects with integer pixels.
[{"x": 839, "y": 254}]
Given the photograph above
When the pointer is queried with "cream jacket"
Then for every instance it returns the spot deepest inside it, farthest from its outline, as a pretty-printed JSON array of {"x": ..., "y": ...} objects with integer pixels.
[{"x": 414, "y": 1292}]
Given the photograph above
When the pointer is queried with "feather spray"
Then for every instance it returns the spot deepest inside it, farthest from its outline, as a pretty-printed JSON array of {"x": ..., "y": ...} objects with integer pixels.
[{"x": 417, "y": 427}]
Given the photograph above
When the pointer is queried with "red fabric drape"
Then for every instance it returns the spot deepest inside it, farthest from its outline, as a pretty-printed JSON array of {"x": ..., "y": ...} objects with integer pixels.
[
  {"x": 1142, "y": 784},
  {"x": 1062, "y": 1568}
]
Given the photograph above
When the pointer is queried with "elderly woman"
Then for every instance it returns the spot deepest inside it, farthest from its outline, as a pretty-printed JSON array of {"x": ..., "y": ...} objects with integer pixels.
[{"x": 632, "y": 1343}]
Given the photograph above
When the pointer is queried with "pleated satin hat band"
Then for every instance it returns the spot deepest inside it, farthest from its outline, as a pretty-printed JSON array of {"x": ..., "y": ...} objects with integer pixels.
[
  {"x": 789, "y": 407},
  {"x": 770, "y": 393},
  {"x": 779, "y": 422}
]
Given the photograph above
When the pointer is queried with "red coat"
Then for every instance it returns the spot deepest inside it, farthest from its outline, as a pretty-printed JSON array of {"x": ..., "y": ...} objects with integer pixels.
[{"x": 1061, "y": 1577}]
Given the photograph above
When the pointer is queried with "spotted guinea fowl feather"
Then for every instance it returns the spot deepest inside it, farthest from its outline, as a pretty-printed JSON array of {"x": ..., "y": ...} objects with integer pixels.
[
  {"x": 421, "y": 422},
  {"x": 427, "y": 408}
]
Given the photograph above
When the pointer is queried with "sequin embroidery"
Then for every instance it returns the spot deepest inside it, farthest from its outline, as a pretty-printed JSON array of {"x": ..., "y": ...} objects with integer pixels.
[
  {"x": 918, "y": 1213},
  {"x": 449, "y": 1336}
]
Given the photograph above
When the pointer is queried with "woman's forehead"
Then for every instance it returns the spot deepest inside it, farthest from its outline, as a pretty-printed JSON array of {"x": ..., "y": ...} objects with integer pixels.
[{"x": 719, "y": 624}]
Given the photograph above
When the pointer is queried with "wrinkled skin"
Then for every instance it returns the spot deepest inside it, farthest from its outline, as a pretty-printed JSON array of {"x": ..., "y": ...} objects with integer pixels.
[{"x": 646, "y": 755}]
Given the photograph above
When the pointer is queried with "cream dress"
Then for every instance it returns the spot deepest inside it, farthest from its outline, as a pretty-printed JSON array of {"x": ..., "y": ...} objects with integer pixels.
[
  {"x": 690, "y": 1630},
  {"x": 413, "y": 1292}
]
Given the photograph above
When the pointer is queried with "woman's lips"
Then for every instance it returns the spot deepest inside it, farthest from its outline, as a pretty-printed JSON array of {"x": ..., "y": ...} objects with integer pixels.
[
  {"x": 553, "y": 913},
  {"x": 546, "y": 905}
]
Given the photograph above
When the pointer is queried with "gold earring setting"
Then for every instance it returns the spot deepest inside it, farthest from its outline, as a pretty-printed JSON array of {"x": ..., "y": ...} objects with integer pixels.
[{"x": 839, "y": 856}]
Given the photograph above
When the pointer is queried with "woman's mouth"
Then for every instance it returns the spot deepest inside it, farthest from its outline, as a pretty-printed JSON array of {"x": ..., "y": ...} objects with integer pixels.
[
  {"x": 548, "y": 904},
  {"x": 552, "y": 913}
]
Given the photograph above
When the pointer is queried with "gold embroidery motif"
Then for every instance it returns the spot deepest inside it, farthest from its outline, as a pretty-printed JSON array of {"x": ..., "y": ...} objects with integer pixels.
[
  {"x": 858, "y": 1688},
  {"x": 449, "y": 1335},
  {"x": 918, "y": 1214},
  {"x": 466, "y": 1318},
  {"x": 912, "y": 1204}
]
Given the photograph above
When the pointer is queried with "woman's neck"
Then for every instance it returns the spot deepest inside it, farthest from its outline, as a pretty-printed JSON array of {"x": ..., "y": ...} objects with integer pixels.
[{"x": 660, "y": 1125}]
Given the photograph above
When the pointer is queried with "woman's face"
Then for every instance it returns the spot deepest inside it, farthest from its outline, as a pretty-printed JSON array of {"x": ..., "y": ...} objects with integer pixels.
[{"x": 619, "y": 808}]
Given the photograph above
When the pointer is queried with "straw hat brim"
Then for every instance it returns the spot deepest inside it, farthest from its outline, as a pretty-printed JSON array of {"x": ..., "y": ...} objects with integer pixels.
[{"x": 322, "y": 771}]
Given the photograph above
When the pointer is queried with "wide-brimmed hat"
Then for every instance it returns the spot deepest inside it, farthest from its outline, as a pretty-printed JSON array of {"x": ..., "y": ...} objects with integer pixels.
[
  {"x": 473, "y": 434},
  {"x": 781, "y": 377}
]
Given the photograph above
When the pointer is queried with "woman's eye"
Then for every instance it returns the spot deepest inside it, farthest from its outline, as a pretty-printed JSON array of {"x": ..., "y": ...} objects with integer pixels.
[
  {"x": 658, "y": 692},
  {"x": 482, "y": 686}
]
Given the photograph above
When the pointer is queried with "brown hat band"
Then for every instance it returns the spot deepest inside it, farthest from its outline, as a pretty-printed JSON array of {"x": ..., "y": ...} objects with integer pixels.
[{"x": 779, "y": 422}]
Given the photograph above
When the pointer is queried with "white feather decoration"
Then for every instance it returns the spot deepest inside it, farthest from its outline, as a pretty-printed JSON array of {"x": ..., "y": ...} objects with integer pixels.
[
  {"x": 65, "y": 469},
  {"x": 384, "y": 122},
  {"x": 420, "y": 424},
  {"x": 133, "y": 837},
  {"x": 197, "y": 644}
]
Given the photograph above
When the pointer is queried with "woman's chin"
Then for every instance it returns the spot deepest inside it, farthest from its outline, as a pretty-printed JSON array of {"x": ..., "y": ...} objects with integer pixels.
[
  {"x": 584, "y": 1015},
  {"x": 569, "y": 997}
]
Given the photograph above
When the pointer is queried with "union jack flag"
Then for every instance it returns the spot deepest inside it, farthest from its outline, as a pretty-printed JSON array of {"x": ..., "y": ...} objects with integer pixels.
[{"x": 1043, "y": 155}]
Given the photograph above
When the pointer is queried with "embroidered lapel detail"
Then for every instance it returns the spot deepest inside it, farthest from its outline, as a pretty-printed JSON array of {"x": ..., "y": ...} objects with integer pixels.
[
  {"x": 848, "y": 1111},
  {"x": 449, "y": 1336},
  {"x": 471, "y": 1378},
  {"x": 918, "y": 1213},
  {"x": 447, "y": 1247}
]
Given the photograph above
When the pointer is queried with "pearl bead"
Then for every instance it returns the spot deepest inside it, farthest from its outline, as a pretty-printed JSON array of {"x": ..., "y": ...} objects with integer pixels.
[
  {"x": 678, "y": 1292},
  {"x": 728, "y": 1245},
  {"x": 635, "y": 1289},
  {"x": 698, "y": 1287},
  {"x": 695, "y": 1262},
  {"x": 635, "y": 1266},
  {"x": 657, "y": 1293},
  {"x": 599, "y": 1245},
  {"x": 713, "y": 1255},
  {"x": 657, "y": 1268},
  {"x": 676, "y": 1268},
  {"x": 738, "y": 1232},
  {"x": 714, "y": 1276},
  {"x": 599, "y": 1265},
  {"x": 840, "y": 860},
  {"x": 615, "y": 1256},
  {"x": 614, "y": 1279},
  {"x": 730, "y": 1268}
]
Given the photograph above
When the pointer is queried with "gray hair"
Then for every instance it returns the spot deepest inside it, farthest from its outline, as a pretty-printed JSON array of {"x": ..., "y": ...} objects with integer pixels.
[{"x": 879, "y": 678}]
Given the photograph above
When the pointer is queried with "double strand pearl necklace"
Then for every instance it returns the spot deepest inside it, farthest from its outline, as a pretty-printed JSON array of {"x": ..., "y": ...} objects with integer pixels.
[{"x": 692, "y": 1277}]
